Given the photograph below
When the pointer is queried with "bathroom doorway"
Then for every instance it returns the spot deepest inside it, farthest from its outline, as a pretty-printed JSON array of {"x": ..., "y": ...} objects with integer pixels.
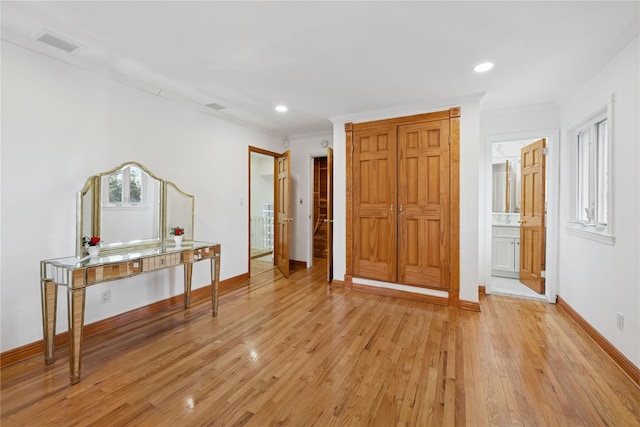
[{"x": 511, "y": 189}]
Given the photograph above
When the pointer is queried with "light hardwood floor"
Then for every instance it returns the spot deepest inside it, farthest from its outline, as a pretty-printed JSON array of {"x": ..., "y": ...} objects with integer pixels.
[
  {"x": 261, "y": 265},
  {"x": 296, "y": 352}
]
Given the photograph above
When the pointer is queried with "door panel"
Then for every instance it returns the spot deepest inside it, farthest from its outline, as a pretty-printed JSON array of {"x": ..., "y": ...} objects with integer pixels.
[
  {"x": 374, "y": 230},
  {"x": 329, "y": 214},
  {"x": 532, "y": 213},
  {"x": 423, "y": 199},
  {"x": 283, "y": 213}
]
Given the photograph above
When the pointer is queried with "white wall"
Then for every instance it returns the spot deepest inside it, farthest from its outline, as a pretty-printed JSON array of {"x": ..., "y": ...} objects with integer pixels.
[
  {"x": 303, "y": 149},
  {"x": 60, "y": 125},
  {"x": 596, "y": 279},
  {"x": 469, "y": 190}
]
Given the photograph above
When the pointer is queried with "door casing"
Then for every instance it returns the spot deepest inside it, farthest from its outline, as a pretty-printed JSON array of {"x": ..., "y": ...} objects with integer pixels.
[
  {"x": 552, "y": 181},
  {"x": 275, "y": 156}
]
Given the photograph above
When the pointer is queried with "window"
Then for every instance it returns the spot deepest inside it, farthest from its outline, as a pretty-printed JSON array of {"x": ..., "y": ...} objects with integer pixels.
[
  {"x": 592, "y": 193},
  {"x": 125, "y": 188}
]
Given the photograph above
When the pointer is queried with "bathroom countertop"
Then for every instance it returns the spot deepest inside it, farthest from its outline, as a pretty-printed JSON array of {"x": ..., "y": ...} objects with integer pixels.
[{"x": 504, "y": 224}]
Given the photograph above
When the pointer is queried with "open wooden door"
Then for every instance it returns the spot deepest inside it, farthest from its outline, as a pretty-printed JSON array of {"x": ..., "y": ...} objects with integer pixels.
[
  {"x": 329, "y": 219},
  {"x": 283, "y": 212},
  {"x": 532, "y": 216}
]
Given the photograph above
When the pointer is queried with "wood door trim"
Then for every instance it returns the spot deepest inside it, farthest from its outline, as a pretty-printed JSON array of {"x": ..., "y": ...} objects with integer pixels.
[
  {"x": 263, "y": 151},
  {"x": 453, "y": 114},
  {"x": 469, "y": 306},
  {"x": 330, "y": 214},
  {"x": 454, "y": 206},
  {"x": 348, "y": 127},
  {"x": 418, "y": 118}
]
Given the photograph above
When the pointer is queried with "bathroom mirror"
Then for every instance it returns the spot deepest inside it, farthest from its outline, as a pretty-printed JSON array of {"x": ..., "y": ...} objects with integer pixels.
[
  {"x": 505, "y": 175},
  {"x": 506, "y": 187},
  {"x": 128, "y": 206}
]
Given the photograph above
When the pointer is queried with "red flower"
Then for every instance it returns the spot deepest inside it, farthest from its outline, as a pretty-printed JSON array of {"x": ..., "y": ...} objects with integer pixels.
[
  {"x": 177, "y": 231},
  {"x": 91, "y": 241}
]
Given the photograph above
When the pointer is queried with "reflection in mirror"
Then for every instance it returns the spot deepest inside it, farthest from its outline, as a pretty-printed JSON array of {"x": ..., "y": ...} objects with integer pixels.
[
  {"x": 85, "y": 214},
  {"x": 505, "y": 192},
  {"x": 506, "y": 173},
  {"x": 179, "y": 211},
  {"x": 130, "y": 206}
]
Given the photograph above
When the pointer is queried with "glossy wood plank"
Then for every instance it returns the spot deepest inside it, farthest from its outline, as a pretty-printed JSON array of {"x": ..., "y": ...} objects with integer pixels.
[{"x": 299, "y": 352}]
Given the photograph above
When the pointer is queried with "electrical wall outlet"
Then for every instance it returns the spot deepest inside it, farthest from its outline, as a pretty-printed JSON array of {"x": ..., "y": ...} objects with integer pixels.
[
  {"x": 620, "y": 321},
  {"x": 105, "y": 296}
]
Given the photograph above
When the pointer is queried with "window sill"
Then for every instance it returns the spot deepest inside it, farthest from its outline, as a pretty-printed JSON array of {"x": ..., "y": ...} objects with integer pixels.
[{"x": 596, "y": 236}]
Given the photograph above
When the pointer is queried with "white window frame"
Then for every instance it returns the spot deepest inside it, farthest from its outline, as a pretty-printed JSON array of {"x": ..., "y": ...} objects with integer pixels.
[{"x": 593, "y": 229}]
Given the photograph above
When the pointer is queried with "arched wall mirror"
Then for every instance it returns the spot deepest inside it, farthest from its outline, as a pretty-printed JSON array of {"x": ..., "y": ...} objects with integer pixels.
[{"x": 128, "y": 206}]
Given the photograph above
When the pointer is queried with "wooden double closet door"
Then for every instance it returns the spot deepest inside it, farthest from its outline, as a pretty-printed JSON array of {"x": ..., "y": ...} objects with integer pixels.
[{"x": 401, "y": 200}]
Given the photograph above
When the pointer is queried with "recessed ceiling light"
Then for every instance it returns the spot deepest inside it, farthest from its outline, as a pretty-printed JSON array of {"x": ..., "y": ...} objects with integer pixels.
[
  {"x": 281, "y": 108},
  {"x": 481, "y": 68}
]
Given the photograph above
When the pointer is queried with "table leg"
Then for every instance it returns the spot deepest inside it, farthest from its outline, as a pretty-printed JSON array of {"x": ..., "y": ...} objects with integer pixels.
[
  {"x": 76, "y": 302},
  {"x": 215, "y": 281},
  {"x": 188, "y": 273},
  {"x": 49, "y": 293}
]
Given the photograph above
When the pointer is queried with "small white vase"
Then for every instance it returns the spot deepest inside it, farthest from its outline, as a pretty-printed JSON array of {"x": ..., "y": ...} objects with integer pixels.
[
  {"x": 93, "y": 251},
  {"x": 178, "y": 240}
]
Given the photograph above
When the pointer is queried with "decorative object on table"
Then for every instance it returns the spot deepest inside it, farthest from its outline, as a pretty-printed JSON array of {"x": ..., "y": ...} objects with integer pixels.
[
  {"x": 92, "y": 244},
  {"x": 178, "y": 234}
]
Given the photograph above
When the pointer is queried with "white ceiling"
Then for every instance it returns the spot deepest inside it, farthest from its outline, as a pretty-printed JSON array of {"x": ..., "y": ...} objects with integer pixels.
[{"x": 328, "y": 59}]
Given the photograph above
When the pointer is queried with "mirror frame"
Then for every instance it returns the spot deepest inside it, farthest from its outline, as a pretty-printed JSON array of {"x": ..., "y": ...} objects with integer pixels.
[{"x": 92, "y": 188}]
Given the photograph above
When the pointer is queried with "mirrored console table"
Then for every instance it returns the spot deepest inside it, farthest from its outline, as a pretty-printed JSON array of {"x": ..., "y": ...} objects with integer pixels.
[{"x": 76, "y": 274}]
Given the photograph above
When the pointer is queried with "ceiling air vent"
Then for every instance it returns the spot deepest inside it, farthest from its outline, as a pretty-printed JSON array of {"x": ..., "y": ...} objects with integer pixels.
[
  {"x": 58, "y": 42},
  {"x": 216, "y": 106}
]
